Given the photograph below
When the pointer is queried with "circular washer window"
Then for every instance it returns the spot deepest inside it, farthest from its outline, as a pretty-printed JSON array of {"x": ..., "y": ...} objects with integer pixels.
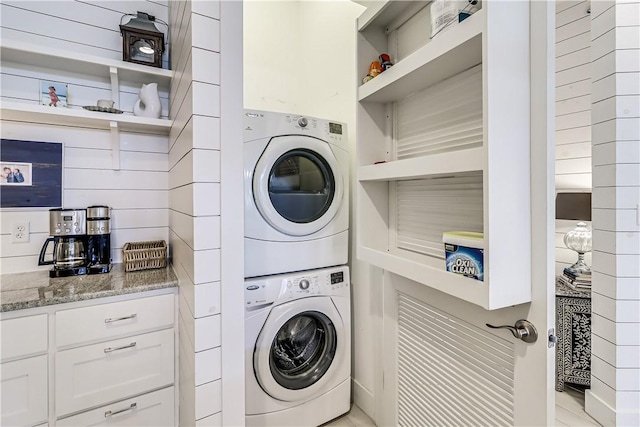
[
  {"x": 303, "y": 350},
  {"x": 301, "y": 186}
]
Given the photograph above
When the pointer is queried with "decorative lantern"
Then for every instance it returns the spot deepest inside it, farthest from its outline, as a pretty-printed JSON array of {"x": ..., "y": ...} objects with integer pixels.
[{"x": 142, "y": 43}]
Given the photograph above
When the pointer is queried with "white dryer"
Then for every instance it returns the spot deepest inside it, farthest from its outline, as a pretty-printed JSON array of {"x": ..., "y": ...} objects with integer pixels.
[
  {"x": 297, "y": 348},
  {"x": 296, "y": 180}
]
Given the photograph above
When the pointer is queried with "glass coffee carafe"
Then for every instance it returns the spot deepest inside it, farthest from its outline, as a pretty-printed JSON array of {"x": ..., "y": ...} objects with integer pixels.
[{"x": 69, "y": 257}]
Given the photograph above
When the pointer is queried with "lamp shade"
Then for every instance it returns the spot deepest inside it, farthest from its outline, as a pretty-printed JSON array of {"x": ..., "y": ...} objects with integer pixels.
[{"x": 573, "y": 206}]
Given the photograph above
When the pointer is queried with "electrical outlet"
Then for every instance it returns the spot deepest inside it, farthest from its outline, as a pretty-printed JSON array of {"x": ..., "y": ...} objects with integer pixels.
[{"x": 20, "y": 232}]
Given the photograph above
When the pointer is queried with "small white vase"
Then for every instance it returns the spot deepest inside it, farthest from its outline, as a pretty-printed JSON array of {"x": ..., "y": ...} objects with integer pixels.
[{"x": 148, "y": 104}]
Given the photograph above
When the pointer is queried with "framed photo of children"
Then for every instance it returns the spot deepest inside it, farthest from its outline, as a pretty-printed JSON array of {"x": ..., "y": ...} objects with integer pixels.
[
  {"x": 30, "y": 174},
  {"x": 53, "y": 94}
]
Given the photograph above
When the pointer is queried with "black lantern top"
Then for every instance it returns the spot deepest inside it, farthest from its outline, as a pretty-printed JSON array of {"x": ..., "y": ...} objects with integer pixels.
[{"x": 142, "y": 43}]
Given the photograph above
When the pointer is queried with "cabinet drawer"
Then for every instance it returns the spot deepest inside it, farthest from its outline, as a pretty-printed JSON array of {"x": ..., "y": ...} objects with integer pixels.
[
  {"x": 152, "y": 409},
  {"x": 103, "y": 322},
  {"x": 23, "y": 336},
  {"x": 23, "y": 387},
  {"x": 93, "y": 375}
]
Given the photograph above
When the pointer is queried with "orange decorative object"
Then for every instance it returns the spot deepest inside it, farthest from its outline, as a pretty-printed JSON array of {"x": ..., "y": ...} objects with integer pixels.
[{"x": 375, "y": 68}]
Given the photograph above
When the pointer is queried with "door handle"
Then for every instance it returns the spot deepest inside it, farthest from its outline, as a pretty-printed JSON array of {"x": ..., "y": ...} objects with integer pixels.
[{"x": 523, "y": 329}]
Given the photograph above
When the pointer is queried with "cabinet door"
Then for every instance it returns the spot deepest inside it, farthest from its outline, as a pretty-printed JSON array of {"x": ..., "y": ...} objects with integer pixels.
[
  {"x": 108, "y": 321},
  {"x": 93, "y": 375},
  {"x": 23, "y": 387},
  {"x": 13, "y": 332},
  {"x": 152, "y": 409}
]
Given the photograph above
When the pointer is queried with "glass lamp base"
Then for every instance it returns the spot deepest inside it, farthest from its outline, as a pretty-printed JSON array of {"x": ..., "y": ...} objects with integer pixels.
[{"x": 580, "y": 267}]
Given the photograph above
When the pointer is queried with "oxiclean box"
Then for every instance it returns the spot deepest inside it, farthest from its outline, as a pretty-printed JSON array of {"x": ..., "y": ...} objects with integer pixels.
[{"x": 464, "y": 253}]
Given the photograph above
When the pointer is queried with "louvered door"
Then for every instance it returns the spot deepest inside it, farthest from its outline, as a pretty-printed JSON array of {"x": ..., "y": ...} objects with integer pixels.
[{"x": 457, "y": 135}]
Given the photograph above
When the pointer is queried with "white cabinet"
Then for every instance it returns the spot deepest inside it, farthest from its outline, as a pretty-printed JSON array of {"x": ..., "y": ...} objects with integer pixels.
[
  {"x": 100, "y": 373},
  {"x": 113, "y": 362},
  {"x": 151, "y": 409},
  {"x": 14, "y": 331},
  {"x": 23, "y": 386},
  {"x": 109, "y": 370},
  {"x": 444, "y": 145},
  {"x": 23, "y": 382},
  {"x": 106, "y": 321}
]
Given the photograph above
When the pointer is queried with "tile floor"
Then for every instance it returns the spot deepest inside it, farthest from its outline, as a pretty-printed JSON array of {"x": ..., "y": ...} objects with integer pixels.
[{"x": 569, "y": 412}]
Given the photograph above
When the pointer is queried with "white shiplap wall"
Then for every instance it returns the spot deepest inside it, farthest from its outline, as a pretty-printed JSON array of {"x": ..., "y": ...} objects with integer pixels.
[
  {"x": 573, "y": 112},
  {"x": 138, "y": 192},
  {"x": 614, "y": 398},
  {"x": 207, "y": 115}
]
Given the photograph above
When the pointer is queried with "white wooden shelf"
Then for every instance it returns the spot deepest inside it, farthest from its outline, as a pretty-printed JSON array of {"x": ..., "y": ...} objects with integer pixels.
[
  {"x": 419, "y": 167},
  {"x": 92, "y": 66},
  {"x": 435, "y": 277},
  {"x": 76, "y": 117},
  {"x": 486, "y": 187},
  {"x": 389, "y": 14},
  {"x": 30, "y": 54},
  {"x": 448, "y": 54}
]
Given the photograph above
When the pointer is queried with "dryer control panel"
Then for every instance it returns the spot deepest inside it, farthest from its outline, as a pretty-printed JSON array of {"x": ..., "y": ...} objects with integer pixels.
[
  {"x": 286, "y": 287},
  {"x": 262, "y": 124}
]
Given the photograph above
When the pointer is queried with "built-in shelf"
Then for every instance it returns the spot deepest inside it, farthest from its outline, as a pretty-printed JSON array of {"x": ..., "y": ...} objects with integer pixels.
[
  {"x": 435, "y": 277},
  {"x": 466, "y": 78},
  {"x": 420, "y": 167},
  {"x": 389, "y": 14},
  {"x": 448, "y": 54},
  {"x": 43, "y": 56},
  {"x": 76, "y": 117}
]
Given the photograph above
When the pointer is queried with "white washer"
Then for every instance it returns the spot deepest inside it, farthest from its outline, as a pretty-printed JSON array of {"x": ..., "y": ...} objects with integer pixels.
[
  {"x": 296, "y": 179},
  {"x": 297, "y": 348}
]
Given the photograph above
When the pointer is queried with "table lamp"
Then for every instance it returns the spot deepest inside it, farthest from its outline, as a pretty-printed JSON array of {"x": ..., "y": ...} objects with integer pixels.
[{"x": 576, "y": 206}]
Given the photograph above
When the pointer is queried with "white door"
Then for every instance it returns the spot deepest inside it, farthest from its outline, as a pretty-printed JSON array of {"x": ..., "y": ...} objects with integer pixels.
[
  {"x": 298, "y": 185},
  {"x": 441, "y": 364},
  {"x": 301, "y": 349}
]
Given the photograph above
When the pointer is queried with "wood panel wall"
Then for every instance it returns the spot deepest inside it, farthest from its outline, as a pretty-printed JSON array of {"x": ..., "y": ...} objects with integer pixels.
[
  {"x": 573, "y": 112},
  {"x": 138, "y": 193}
]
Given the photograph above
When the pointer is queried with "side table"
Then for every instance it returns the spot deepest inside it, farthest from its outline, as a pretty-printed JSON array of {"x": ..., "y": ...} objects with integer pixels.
[{"x": 573, "y": 326}]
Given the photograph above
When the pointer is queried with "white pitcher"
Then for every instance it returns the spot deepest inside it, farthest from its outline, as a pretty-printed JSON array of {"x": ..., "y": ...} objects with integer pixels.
[{"x": 148, "y": 104}]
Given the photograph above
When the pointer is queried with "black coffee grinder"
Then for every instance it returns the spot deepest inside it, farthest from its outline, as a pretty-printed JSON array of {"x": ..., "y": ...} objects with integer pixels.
[{"x": 98, "y": 240}]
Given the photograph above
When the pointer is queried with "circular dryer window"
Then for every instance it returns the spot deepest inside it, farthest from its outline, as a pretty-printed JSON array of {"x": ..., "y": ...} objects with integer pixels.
[
  {"x": 301, "y": 186},
  {"x": 302, "y": 350}
]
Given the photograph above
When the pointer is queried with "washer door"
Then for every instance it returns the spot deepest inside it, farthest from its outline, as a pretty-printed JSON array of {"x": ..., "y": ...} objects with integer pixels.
[
  {"x": 299, "y": 349},
  {"x": 297, "y": 184}
]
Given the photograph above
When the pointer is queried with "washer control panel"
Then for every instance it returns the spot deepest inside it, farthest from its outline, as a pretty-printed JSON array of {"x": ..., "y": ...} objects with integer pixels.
[{"x": 286, "y": 287}]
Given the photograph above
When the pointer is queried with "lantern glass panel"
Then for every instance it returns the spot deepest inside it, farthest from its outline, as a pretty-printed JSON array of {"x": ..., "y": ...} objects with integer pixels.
[{"x": 142, "y": 50}]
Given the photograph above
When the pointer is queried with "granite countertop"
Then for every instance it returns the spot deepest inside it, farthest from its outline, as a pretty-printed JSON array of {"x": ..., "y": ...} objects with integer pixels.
[{"x": 35, "y": 289}]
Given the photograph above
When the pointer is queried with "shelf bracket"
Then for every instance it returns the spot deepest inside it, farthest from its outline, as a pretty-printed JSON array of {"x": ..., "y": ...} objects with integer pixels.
[
  {"x": 115, "y": 145},
  {"x": 115, "y": 86}
]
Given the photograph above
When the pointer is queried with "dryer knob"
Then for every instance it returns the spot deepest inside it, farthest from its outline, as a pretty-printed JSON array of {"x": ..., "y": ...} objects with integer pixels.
[
  {"x": 302, "y": 121},
  {"x": 304, "y": 284}
]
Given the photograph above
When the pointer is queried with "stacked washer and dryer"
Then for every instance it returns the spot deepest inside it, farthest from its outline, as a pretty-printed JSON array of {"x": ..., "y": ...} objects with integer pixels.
[{"x": 297, "y": 289}]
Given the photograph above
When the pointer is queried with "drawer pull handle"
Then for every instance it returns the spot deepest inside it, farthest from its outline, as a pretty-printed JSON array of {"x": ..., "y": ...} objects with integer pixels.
[
  {"x": 109, "y": 349},
  {"x": 117, "y": 319},
  {"x": 111, "y": 414}
]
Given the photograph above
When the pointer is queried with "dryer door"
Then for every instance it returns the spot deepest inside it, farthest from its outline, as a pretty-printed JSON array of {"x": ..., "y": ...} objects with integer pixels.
[
  {"x": 298, "y": 184},
  {"x": 299, "y": 349}
]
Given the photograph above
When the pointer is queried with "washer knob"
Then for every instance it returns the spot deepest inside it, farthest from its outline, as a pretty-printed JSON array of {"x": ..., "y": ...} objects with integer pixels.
[
  {"x": 303, "y": 122},
  {"x": 304, "y": 284}
]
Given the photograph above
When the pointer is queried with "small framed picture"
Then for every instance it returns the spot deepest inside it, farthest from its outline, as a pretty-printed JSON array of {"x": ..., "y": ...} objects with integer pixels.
[
  {"x": 15, "y": 173},
  {"x": 53, "y": 94}
]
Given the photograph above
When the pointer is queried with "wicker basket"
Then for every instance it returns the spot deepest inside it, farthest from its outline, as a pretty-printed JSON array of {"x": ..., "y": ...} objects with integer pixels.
[{"x": 144, "y": 255}]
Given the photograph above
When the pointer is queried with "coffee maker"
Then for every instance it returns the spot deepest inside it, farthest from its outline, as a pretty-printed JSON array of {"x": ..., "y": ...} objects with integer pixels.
[
  {"x": 69, "y": 230},
  {"x": 98, "y": 240}
]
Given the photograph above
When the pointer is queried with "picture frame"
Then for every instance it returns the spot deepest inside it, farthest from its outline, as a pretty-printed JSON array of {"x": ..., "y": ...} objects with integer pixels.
[
  {"x": 16, "y": 173},
  {"x": 41, "y": 167},
  {"x": 54, "y": 94}
]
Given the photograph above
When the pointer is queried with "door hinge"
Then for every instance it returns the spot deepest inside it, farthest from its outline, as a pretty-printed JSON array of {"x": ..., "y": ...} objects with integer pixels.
[{"x": 552, "y": 338}]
